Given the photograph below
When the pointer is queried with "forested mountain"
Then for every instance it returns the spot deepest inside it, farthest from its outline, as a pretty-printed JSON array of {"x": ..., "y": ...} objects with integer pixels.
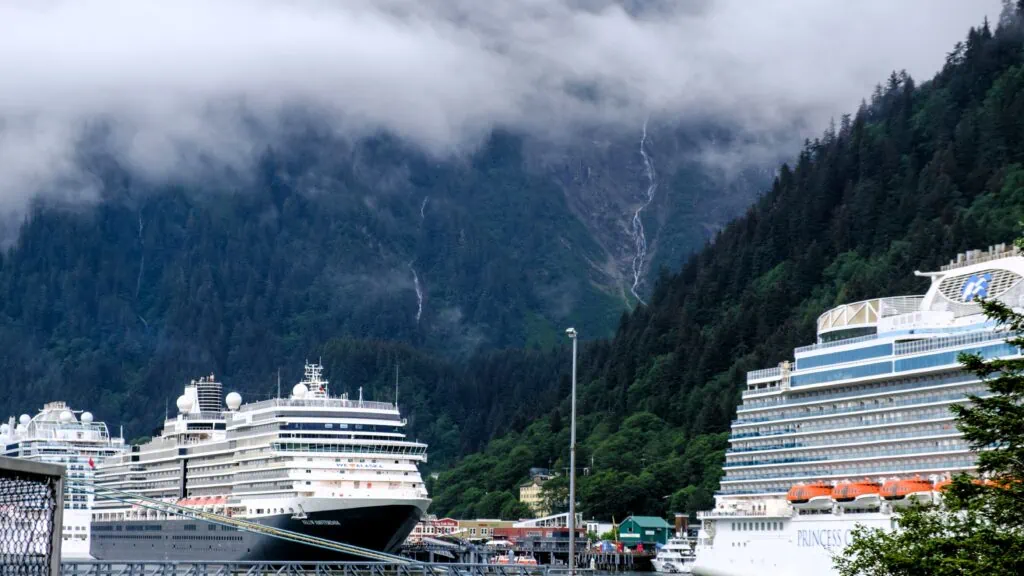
[
  {"x": 459, "y": 274},
  {"x": 240, "y": 272},
  {"x": 917, "y": 174}
]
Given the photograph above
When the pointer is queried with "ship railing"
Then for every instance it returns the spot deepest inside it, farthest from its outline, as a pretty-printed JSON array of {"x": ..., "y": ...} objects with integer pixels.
[
  {"x": 865, "y": 313},
  {"x": 318, "y": 403},
  {"x": 850, "y": 423},
  {"x": 972, "y": 257},
  {"x": 216, "y": 416},
  {"x": 910, "y": 383},
  {"x": 731, "y": 513},
  {"x": 764, "y": 373},
  {"x": 911, "y": 401},
  {"x": 834, "y": 343},
  {"x": 885, "y": 469},
  {"x": 904, "y": 348},
  {"x": 830, "y": 456},
  {"x": 944, "y": 430}
]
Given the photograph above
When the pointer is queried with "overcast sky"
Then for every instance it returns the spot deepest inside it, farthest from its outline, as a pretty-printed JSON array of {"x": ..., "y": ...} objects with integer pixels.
[{"x": 438, "y": 72}]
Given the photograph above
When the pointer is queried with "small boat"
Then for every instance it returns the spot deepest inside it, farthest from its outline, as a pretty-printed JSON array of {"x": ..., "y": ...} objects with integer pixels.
[
  {"x": 857, "y": 495},
  {"x": 512, "y": 559},
  {"x": 675, "y": 557},
  {"x": 813, "y": 496},
  {"x": 908, "y": 491}
]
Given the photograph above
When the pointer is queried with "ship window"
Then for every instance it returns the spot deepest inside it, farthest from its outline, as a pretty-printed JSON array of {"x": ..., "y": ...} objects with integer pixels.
[
  {"x": 841, "y": 374},
  {"x": 845, "y": 356}
]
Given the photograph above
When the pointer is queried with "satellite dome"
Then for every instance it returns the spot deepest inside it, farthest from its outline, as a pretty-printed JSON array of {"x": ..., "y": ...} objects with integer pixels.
[
  {"x": 86, "y": 417},
  {"x": 299, "y": 391},
  {"x": 66, "y": 417},
  {"x": 24, "y": 419},
  {"x": 233, "y": 400},
  {"x": 184, "y": 403},
  {"x": 4, "y": 428}
]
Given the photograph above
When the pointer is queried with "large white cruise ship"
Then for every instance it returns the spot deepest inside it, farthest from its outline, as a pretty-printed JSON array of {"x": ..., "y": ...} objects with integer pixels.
[
  {"x": 329, "y": 467},
  {"x": 71, "y": 438},
  {"x": 858, "y": 424}
]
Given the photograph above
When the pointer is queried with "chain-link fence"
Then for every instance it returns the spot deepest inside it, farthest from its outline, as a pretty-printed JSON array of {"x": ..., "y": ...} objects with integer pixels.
[{"x": 31, "y": 502}]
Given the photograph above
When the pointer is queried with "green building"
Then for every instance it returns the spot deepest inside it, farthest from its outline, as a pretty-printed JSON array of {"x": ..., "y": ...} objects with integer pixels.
[{"x": 646, "y": 530}]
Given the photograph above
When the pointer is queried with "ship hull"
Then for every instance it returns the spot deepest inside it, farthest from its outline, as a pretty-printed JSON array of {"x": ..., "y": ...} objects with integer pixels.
[
  {"x": 801, "y": 546},
  {"x": 382, "y": 528}
]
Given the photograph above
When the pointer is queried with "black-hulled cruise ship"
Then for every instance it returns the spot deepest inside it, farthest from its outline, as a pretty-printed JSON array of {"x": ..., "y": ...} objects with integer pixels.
[{"x": 329, "y": 467}]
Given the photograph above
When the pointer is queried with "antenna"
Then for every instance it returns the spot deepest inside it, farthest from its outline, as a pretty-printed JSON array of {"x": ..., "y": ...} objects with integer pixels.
[
  {"x": 396, "y": 383},
  {"x": 279, "y": 382}
]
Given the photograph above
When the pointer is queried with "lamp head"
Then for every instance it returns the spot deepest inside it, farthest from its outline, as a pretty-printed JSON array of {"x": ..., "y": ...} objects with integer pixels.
[{"x": 570, "y": 332}]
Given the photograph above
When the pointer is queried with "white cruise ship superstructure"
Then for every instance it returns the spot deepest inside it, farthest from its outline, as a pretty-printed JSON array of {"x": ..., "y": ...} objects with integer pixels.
[
  {"x": 71, "y": 438},
  {"x": 857, "y": 424},
  {"x": 326, "y": 466}
]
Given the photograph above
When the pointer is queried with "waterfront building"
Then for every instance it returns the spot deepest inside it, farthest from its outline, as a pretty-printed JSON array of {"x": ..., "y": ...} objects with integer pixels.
[
  {"x": 598, "y": 527},
  {"x": 481, "y": 528},
  {"x": 430, "y": 526},
  {"x": 858, "y": 423},
  {"x": 646, "y": 530}
]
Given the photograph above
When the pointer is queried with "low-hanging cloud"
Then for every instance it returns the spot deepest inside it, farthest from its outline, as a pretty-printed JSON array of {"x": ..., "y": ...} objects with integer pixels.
[{"x": 171, "y": 76}]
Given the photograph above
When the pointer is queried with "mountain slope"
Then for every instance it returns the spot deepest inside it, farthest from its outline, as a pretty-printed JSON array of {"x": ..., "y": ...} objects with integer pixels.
[
  {"x": 916, "y": 175},
  {"x": 114, "y": 306}
]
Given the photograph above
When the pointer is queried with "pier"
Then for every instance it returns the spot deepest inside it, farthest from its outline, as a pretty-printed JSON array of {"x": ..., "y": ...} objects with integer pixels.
[{"x": 222, "y": 568}]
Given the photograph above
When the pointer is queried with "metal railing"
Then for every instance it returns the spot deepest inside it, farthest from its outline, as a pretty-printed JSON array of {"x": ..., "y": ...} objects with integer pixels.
[
  {"x": 851, "y": 470},
  {"x": 912, "y": 401},
  {"x": 318, "y": 403},
  {"x": 929, "y": 344},
  {"x": 764, "y": 373},
  {"x": 847, "y": 456},
  {"x": 825, "y": 396},
  {"x": 241, "y": 568},
  {"x": 850, "y": 423},
  {"x": 846, "y": 440},
  {"x": 834, "y": 343}
]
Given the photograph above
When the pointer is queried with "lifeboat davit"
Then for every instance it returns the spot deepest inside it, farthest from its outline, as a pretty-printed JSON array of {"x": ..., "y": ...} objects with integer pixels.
[
  {"x": 815, "y": 496},
  {"x": 904, "y": 492},
  {"x": 857, "y": 495}
]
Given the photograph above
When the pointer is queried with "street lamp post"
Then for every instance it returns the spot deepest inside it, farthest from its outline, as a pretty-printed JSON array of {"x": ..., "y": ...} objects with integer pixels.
[{"x": 571, "y": 332}]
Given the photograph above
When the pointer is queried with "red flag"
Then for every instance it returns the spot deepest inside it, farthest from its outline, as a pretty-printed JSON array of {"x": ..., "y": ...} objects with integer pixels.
[{"x": 91, "y": 463}]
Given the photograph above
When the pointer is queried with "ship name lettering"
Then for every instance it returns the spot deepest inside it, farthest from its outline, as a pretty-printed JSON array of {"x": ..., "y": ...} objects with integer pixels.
[{"x": 823, "y": 538}]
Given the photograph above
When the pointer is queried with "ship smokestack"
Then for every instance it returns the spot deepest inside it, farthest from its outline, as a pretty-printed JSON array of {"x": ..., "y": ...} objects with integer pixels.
[{"x": 209, "y": 393}]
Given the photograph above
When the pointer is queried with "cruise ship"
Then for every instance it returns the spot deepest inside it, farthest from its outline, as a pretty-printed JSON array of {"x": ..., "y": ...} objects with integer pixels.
[
  {"x": 329, "y": 467},
  {"x": 71, "y": 438},
  {"x": 857, "y": 424}
]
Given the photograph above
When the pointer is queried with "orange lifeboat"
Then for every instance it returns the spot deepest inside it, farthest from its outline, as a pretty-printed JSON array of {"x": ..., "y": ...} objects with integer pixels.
[
  {"x": 814, "y": 496},
  {"x": 904, "y": 492},
  {"x": 862, "y": 494}
]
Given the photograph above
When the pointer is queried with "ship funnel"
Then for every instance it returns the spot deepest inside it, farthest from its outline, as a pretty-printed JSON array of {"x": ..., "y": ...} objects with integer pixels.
[{"x": 209, "y": 392}]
